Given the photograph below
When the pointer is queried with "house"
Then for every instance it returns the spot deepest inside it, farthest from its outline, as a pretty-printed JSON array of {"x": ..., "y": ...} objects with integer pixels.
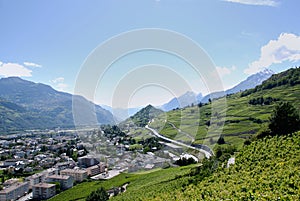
[
  {"x": 96, "y": 169},
  {"x": 77, "y": 174},
  {"x": 13, "y": 162},
  {"x": 15, "y": 191},
  {"x": 43, "y": 191},
  {"x": 65, "y": 181}
]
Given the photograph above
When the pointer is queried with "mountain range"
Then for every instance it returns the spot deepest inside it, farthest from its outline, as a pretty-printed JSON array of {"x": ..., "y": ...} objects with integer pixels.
[
  {"x": 190, "y": 98},
  {"x": 28, "y": 105}
]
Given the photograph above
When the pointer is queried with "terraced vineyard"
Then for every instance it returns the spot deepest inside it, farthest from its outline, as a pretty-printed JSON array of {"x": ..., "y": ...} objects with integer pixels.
[
  {"x": 241, "y": 119},
  {"x": 268, "y": 169}
]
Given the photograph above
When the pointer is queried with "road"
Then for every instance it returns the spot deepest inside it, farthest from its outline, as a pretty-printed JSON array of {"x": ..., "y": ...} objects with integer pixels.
[
  {"x": 206, "y": 153},
  {"x": 25, "y": 197}
]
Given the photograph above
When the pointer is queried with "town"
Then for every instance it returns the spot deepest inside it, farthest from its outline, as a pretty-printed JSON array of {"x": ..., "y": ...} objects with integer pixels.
[{"x": 37, "y": 165}]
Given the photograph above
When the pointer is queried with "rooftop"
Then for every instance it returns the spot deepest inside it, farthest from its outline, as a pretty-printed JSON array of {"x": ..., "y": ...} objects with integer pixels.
[
  {"x": 73, "y": 171},
  {"x": 13, "y": 187},
  {"x": 43, "y": 185},
  {"x": 64, "y": 177}
]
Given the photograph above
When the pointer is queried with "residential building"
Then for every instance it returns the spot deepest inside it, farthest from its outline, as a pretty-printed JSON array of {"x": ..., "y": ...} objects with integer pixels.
[
  {"x": 77, "y": 174},
  {"x": 40, "y": 177},
  {"x": 50, "y": 171},
  {"x": 35, "y": 179},
  {"x": 96, "y": 169},
  {"x": 87, "y": 161},
  {"x": 14, "y": 191},
  {"x": 13, "y": 162},
  {"x": 10, "y": 182},
  {"x": 65, "y": 165},
  {"x": 43, "y": 191},
  {"x": 65, "y": 181}
]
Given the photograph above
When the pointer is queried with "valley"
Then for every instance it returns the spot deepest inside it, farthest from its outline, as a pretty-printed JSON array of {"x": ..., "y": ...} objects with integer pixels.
[
  {"x": 199, "y": 149},
  {"x": 150, "y": 100}
]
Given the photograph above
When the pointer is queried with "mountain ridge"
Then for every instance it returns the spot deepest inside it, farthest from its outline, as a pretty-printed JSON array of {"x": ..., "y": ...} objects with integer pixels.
[
  {"x": 44, "y": 107},
  {"x": 250, "y": 82},
  {"x": 143, "y": 116}
]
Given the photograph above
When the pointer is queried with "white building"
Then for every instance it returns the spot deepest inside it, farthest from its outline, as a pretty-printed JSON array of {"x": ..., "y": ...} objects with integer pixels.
[
  {"x": 40, "y": 177},
  {"x": 77, "y": 174},
  {"x": 14, "y": 191}
]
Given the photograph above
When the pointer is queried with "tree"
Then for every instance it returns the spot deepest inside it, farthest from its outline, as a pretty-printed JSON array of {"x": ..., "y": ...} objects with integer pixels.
[
  {"x": 221, "y": 140},
  {"x": 284, "y": 120},
  {"x": 98, "y": 195}
]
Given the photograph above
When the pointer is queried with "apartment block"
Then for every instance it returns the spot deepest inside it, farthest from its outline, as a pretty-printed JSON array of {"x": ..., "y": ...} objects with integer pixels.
[
  {"x": 96, "y": 169},
  {"x": 43, "y": 191},
  {"x": 87, "y": 161},
  {"x": 14, "y": 191},
  {"x": 40, "y": 177},
  {"x": 65, "y": 181},
  {"x": 77, "y": 174}
]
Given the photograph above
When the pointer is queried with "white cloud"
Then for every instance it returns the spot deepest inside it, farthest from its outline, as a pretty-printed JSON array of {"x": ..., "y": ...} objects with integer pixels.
[
  {"x": 14, "y": 69},
  {"x": 59, "y": 83},
  {"x": 223, "y": 71},
  {"x": 285, "y": 48},
  {"x": 58, "y": 80},
  {"x": 32, "y": 64},
  {"x": 256, "y": 2}
]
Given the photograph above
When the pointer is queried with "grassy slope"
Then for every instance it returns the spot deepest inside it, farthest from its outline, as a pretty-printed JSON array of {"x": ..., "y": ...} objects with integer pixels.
[
  {"x": 238, "y": 123},
  {"x": 147, "y": 184},
  {"x": 266, "y": 170}
]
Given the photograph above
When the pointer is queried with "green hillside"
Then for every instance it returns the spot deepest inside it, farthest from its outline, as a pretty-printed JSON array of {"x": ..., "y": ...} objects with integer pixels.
[
  {"x": 245, "y": 114},
  {"x": 142, "y": 117},
  {"x": 268, "y": 169},
  {"x": 27, "y": 105}
]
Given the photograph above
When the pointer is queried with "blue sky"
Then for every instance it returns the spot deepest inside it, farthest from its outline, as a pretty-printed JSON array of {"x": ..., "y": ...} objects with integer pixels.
[{"x": 48, "y": 41}]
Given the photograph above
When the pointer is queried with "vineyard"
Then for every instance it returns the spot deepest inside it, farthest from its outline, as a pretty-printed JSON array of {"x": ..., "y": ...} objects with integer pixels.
[
  {"x": 240, "y": 120},
  {"x": 268, "y": 169}
]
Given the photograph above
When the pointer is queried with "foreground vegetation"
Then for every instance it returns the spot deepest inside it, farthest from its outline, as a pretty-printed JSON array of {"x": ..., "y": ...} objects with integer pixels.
[
  {"x": 267, "y": 169},
  {"x": 147, "y": 183}
]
